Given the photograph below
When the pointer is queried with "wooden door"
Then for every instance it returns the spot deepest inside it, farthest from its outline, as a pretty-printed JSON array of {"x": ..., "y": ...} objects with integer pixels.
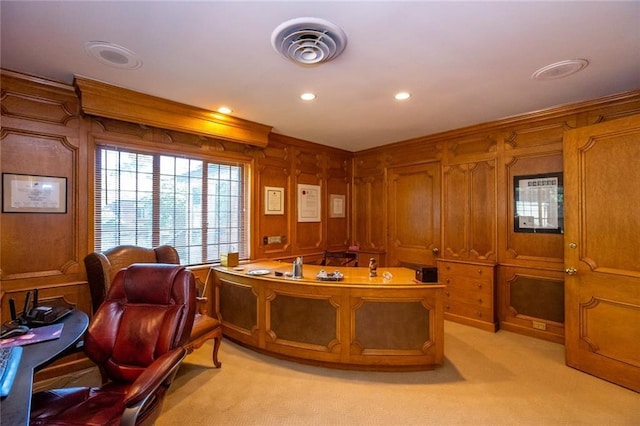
[
  {"x": 413, "y": 214},
  {"x": 602, "y": 250}
]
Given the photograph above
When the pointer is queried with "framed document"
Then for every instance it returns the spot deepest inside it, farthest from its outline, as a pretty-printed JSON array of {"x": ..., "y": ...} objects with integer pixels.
[
  {"x": 538, "y": 203},
  {"x": 337, "y": 205},
  {"x": 273, "y": 200},
  {"x": 33, "y": 194},
  {"x": 308, "y": 203}
]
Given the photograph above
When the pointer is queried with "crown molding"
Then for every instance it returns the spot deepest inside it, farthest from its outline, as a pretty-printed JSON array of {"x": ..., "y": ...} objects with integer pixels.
[{"x": 105, "y": 100}]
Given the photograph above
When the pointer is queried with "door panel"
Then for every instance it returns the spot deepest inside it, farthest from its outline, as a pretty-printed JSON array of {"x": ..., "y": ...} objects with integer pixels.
[
  {"x": 414, "y": 214},
  {"x": 602, "y": 250}
]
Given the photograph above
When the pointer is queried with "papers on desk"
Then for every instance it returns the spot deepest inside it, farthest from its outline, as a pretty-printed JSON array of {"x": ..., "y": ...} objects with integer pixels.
[{"x": 35, "y": 335}]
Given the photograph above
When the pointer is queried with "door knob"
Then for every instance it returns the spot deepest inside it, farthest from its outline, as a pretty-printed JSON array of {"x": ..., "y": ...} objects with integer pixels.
[
  {"x": 571, "y": 270},
  {"x": 435, "y": 250}
]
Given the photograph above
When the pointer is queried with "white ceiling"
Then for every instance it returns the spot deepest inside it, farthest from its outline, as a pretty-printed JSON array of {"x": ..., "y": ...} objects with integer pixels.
[{"x": 464, "y": 62}]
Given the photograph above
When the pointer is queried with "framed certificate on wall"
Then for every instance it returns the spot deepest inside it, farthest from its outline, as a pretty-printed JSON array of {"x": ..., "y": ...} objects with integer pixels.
[
  {"x": 337, "y": 205},
  {"x": 273, "y": 200},
  {"x": 33, "y": 194},
  {"x": 308, "y": 203}
]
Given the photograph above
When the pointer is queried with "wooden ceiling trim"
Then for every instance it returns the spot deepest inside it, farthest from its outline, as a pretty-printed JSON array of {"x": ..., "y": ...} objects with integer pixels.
[{"x": 105, "y": 100}]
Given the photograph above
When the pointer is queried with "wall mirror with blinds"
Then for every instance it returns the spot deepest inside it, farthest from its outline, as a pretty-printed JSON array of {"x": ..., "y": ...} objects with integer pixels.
[{"x": 538, "y": 203}]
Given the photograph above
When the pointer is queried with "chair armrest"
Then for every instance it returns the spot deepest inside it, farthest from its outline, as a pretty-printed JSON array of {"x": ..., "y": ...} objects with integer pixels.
[
  {"x": 158, "y": 373},
  {"x": 201, "y": 305},
  {"x": 154, "y": 375}
]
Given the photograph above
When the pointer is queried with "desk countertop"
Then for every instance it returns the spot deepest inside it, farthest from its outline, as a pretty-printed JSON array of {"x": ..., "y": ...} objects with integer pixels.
[{"x": 353, "y": 276}]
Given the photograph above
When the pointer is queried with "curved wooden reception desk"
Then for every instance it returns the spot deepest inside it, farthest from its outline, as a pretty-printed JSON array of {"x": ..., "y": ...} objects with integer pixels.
[{"x": 356, "y": 323}]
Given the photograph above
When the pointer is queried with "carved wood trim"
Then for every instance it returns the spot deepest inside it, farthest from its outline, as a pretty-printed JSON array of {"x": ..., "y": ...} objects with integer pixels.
[{"x": 122, "y": 104}]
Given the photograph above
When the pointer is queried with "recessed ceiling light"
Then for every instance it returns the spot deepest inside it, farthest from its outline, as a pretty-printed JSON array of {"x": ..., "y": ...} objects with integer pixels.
[
  {"x": 307, "y": 96},
  {"x": 560, "y": 69},
  {"x": 113, "y": 55},
  {"x": 401, "y": 96},
  {"x": 225, "y": 110}
]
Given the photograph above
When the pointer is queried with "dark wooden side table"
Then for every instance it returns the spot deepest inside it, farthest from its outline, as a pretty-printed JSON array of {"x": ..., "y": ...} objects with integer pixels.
[{"x": 15, "y": 408}]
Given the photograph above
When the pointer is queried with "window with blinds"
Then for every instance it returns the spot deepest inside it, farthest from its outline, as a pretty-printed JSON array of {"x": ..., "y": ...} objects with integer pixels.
[{"x": 194, "y": 205}]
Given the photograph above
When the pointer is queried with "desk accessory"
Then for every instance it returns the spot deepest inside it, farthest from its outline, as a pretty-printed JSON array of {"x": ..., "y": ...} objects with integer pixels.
[{"x": 34, "y": 315}]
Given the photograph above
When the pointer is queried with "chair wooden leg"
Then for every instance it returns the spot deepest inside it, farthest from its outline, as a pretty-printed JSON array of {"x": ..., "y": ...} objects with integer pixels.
[{"x": 216, "y": 346}]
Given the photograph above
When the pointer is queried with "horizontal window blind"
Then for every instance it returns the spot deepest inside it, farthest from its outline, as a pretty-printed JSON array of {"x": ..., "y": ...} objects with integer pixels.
[{"x": 197, "y": 206}]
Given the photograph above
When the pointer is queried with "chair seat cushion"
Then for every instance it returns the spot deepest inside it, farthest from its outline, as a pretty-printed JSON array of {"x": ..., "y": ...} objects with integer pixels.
[
  {"x": 203, "y": 324},
  {"x": 76, "y": 406}
]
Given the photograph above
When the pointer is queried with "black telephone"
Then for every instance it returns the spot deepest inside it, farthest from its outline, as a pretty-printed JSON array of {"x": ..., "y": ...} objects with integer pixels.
[{"x": 35, "y": 315}]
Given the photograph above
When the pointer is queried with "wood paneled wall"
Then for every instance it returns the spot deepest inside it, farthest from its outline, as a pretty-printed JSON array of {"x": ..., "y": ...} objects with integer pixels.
[
  {"x": 478, "y": 165},
  {"x": 45, "y": 133},
  {"x": 287, "y": 163},
  {"x": 41, "y": 136}
]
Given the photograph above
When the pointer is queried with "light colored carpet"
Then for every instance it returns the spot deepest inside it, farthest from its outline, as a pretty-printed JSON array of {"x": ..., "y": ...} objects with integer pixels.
[{"x": 487, "y": 379}]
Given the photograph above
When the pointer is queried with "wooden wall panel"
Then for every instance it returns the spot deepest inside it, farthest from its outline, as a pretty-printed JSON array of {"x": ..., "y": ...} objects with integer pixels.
[
  {"x": 31, "y": 154},
  {"x": 531, "y": 302},
  {"x": 544, "y": 250},
  {"x": 471, "y": 146},
  {"x": 41, "y": 136},
  {"x": 338, "y": 231},
  {"x": 308, "y": 170},
  {"x": 273, "y": 169},
  {"x": 369, "y": 198},
  {"x": 308, "y": 164},
  {"x": 618, "y": 106},
  {"x": 456, "y": 211},
  {"x": 541, "y": 134},
  {"x": 277, "y": 176},
  {"x": 413, "y": 214},
  {"x": 482, "y": 212},
  {"x": 470, "y": 211}
]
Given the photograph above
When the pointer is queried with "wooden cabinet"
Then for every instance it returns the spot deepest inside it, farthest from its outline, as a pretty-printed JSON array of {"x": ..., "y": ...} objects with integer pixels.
[{"x": 470, "y": 294}]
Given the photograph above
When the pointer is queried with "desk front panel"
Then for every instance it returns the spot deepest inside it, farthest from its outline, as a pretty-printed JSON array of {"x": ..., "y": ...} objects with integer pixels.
[{"x": 397, "y": 325}]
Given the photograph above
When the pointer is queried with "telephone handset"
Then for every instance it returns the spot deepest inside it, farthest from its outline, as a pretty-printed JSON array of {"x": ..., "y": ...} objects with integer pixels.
[{"x": 35, "y": 315}]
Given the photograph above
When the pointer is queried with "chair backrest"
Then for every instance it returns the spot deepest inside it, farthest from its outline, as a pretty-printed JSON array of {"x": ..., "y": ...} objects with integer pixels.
[
  {"x": 103, "y": 266},
  {"x": 148, "y": 311},
  {"x": 342, "y": 258}
]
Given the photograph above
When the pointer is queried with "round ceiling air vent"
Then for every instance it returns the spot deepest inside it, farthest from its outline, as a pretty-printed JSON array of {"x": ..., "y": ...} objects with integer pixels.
[
  {"x": 309, "y": 41},
  {"x": 560, "y": 69},
  {"x": 113, "y": 55}
]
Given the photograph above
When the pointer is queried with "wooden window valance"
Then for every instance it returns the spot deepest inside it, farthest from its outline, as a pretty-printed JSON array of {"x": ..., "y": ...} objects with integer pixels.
[{"x": 109, "y": 101}]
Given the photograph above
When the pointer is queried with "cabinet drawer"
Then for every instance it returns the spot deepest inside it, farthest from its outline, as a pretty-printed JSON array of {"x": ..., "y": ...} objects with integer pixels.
[
  {"x": 469, "y": 311},
  {"x": 471, "y": 297},
  {"x": 466, "y": 271},
  {"x": 458, "y": 283}
]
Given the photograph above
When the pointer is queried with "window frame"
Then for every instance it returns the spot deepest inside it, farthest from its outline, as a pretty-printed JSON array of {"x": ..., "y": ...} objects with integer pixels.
[{"x": 245, "y": 161}]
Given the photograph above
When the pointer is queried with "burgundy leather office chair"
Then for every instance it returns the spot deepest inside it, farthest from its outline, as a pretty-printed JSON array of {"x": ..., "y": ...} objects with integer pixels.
[
  {"x": 102, "y": 267},
  {"x": 136, "y": 338}
]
